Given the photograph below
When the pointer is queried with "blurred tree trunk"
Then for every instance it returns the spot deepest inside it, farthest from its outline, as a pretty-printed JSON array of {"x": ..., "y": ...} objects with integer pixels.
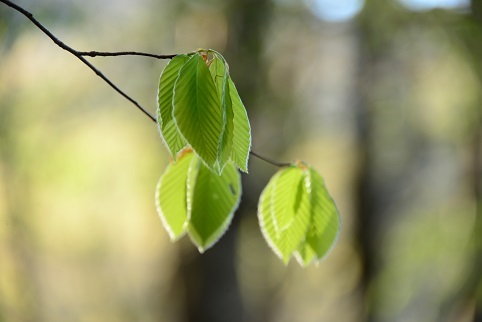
[
  {"x": 377, "y": 23},
  {"x": 366, "y": 195},
  {"x": 469, "y": 296},
  {"x": 474, "y": 282},
  {"x": 471, "y": 290},
  {"x": 211, "y": 287}
]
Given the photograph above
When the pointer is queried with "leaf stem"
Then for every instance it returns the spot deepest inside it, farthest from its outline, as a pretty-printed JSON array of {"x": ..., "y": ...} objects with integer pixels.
[
  {"x": 77, "y": 54},
  {"x": 268, "y": 160},
  {"x": 80, "y": 55}
]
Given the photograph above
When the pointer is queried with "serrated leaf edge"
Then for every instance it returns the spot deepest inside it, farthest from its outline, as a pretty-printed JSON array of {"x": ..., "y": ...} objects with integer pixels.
[
  {"x": 316, "y": 261},
  {"x": 159, "y": 120},
  {"x": 245, "y": 165},
  {"x": 170, "y": 232},
  {"x": 213, "y": 167},
  {"x": 261, "y": 220},
  {"x": 226, "y": 222}
]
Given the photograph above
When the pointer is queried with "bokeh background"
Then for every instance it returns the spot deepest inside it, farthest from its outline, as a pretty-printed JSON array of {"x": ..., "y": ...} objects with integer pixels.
[{"x": 383, "y": 97}]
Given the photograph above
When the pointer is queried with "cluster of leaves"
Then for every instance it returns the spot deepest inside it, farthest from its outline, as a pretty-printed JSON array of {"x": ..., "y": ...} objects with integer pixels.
[
  {"x": 204, "y": 125},
  {"x": 192, "y": 198},
  {"x": 199, "y": 106},
  {"x": 297, "y": 215}
]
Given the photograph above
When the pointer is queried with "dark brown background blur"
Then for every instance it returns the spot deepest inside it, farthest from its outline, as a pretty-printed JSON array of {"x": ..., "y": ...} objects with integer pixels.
[{"x": 383, "y": 97}]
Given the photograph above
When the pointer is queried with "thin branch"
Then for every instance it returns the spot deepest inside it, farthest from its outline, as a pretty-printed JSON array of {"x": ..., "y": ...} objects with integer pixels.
[
  {"x": 77, "y": 54},
  {"x": 268, "y": 160},
  {"x": 122, "y": 53},
  {"x": 80, "y": 54}
]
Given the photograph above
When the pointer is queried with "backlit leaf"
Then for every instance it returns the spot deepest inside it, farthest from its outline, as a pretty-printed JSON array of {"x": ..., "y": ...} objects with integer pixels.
[
  {"x": 212, "y": 202},
  {"x": 241, "y": 130},
  {"x": 284, "y": 211},
  {"x": 197, "y": 110},
  {"x": 285, "y": 193},
  {"x": 166, "y": 124},
  {"x": 266, "y": 218},
  {"x": 171, "y": 196},
  {"x": 325, "y": 223},
  {"x": 199, "y": 107},
  {"x": 220, "y": 76}
]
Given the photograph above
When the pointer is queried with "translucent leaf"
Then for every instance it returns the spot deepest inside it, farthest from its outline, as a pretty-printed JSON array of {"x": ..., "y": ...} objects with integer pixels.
[
  {"x": 197, "y": 110},
  {"x": 305, "y": 254},
  {"x": 265, "y": 216},
  {"x": 167, "y": 125},
  {"x": 241, "y": 130},
  {"x": 286, "y": 193},
  {"x": 213, "y": 200},
  {"x": 171, "y": 196},
  {"x": 325, "y": 223},
  {"x": 220, "y": 76},
  {"x": 284, "y": 211},
  {"x": 192, "y": 173}
]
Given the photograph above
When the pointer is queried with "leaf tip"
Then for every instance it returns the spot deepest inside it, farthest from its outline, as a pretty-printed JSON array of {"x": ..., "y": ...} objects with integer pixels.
[
  {"x": 303, "y": 263},
  {"x": 286, "y": 259},
  {"x": 173, "y": 237}
]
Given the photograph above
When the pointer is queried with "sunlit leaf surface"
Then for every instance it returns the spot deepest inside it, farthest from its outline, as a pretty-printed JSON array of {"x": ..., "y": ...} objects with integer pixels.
[
  {"x": 325, "y": 223},
  {"x": 214, "y": 199},
  {"x": 171, "y": 196},
  {"x": 167, "y": 125},
  {"x": 197, "y": 110},
  {"x": 220, "y": 76},
  {"x": 297, "y": 214},
  {"x": 242, "y": 130},
  {"x": 190, "y": 195},
  {"x": 284, "y": 211}
]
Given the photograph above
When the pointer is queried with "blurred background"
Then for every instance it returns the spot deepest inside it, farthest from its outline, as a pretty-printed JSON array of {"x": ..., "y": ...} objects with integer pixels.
[{"x": 382, "y": 97}]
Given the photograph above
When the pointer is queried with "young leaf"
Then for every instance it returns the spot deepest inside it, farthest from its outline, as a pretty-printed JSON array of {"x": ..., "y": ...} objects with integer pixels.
[
  {"x": 197, "y": 110},
  {"x": 241, "y": 130},
  {"x": 325, "y": 223},
  {"x": 171, "y": 196},
  {"x": 167, "y": 126},
  {"x": 220, "y": 75},
  {"x": 192, "y": 173},
  {"x": 265, "y": 216},
  {"x": 284, "y": 211},
  {"x": 212, "y": 202},
  {"x": 285, "y": 194}
]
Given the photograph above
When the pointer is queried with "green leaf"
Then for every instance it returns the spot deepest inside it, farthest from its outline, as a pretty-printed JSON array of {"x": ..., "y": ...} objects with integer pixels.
[
  {"x": 197, "y": 110},
  {"x": 305, "y": 254},
  {"x": 297, "y": 215},
  {"x": 192, "y": 173},
  {"x": 241, "y": 130},
  {"x": 325, "y": 223},
  {"x": 212, "y": 201},
  {"x": 265, "y": 216},
  {"x": 171, "y": 196},
  {"x": 220, "y": 75},
  {"x": 284, "y": 211},
  {"x": 166, "y": 123},
  {"x": 286, "y": 193}
]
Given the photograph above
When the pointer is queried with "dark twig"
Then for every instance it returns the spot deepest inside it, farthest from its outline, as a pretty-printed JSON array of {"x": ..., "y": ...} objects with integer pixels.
[
  {"x": 122, "y": 53},
  {"x": 77, "y": 54},
  {"x": 80, "y": 55},
  {"x": 275, "y": 163}
]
